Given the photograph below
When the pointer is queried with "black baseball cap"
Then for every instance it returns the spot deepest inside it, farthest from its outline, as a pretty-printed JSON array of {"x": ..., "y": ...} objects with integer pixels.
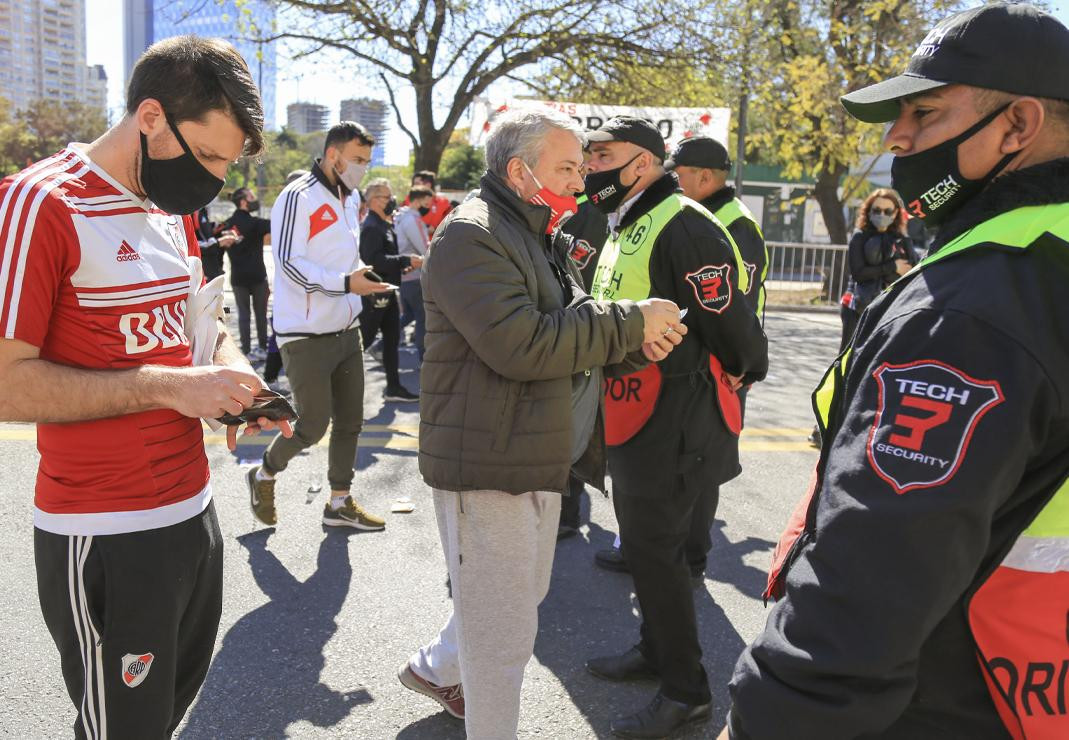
[
  {"x": 699, "y": 151},
  {"x": 637, "y": 131},
  {"x": 1011, "y": 48}
]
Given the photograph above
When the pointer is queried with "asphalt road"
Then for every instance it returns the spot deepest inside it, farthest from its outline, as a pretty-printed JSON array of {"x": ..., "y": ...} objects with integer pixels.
[{"x": 315, "y": 623}]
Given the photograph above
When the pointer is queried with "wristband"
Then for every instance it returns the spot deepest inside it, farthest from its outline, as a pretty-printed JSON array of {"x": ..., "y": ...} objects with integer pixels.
[{"x": 347, "y": 278}]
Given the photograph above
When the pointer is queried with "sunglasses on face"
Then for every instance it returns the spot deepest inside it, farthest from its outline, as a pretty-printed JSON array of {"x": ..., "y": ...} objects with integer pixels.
[{"x": 884, "y": 211}]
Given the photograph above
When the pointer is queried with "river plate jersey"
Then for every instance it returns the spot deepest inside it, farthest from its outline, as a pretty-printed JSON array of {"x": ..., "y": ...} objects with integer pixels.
[{"x": 98, "y": 279}]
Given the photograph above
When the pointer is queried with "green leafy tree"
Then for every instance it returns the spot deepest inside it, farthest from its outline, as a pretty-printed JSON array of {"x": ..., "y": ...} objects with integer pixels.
[
  {"x": 462, "y": 164},
  {"x": 823, "y": 49},
  {"x": 43, "y": 128}
]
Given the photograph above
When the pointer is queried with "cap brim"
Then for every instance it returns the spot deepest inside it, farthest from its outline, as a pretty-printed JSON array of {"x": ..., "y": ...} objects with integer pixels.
[
  {"x": 879, "y": 103},
  {"x": 600, "y": 136}
]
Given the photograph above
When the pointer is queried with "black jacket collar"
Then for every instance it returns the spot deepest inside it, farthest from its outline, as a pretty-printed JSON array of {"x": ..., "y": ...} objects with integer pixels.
[
  {"x": 651, "y": 197},
  {"x": 1039, "y": 185},
  {"x": 317, "y": 171},
  {"x": 719, "y": 199},
  {"x": 494, "y": 190},
  {"x": 375, "y": 221}
]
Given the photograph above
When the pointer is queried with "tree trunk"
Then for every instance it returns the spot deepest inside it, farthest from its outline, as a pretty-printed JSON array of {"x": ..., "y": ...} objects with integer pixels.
[
  {"x": 826, "y": 192},
  {"x": 429, "y": 152},
  {"x": 740, "y": 149}
]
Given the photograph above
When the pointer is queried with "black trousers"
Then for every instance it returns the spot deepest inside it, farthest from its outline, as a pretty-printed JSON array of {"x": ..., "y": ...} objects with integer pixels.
[
  {"x": 655, "y": 532},
  {"x": 699, "y": 540},
  {"x": 258, "y": 295},
  {"x": 134, "y": 617},
  {"x": 386, "y": 319}
]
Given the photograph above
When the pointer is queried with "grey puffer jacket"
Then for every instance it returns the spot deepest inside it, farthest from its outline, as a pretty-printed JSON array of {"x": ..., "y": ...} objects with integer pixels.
[{"x": 507, "y": 328}]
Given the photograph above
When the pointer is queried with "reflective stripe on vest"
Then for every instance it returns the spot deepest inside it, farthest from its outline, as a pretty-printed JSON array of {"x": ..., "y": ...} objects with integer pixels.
[
  {"x": 623, "y": 270},
  {"x": 728, "y": 214}
]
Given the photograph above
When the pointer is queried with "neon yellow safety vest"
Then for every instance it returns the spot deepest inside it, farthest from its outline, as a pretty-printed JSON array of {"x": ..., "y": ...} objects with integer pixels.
[
  {"x": 728, "y": 214},
  {"x": 623, "y": 270},
  {"x": 1018, "y": 615}
]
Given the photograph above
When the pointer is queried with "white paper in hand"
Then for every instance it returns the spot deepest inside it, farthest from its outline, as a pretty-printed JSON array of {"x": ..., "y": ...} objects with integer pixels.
[{"x": 203, "y": 311}]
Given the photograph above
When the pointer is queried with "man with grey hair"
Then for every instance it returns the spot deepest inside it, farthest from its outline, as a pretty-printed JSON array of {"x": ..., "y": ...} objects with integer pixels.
[
  {"x": 511, "y": 401},
  {"x": 382, "y": 312}
]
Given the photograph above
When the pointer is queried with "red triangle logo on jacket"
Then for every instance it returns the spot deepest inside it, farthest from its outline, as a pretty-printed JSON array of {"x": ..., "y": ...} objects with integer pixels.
[{"x": 323, "y": 217}]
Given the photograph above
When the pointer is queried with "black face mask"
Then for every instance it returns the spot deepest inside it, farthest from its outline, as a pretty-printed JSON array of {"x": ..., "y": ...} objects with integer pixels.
[
  {"x": 390, "y": 207},
  {"x": 424, "y": 210},
  {"x": 179, "y": 186},
  {"x": 930, "y": 182},
  {"x": 253, "y": 206},
  {"x": 604, "y": 189}
]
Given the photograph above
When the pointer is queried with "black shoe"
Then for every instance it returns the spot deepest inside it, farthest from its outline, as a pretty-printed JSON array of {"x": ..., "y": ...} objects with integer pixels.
[
  {"x": 612, "y": 559},
  {"x": 631, "y": 666},
  {"x": 401, "y": 394},
  {"x": 661, "y": 718},
  {"x": 565, "y": 531}
]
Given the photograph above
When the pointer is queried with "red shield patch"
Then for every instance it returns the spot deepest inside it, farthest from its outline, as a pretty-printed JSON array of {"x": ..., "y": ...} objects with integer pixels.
[
  {"x": 926, "y": 414},
  {"x": 135, "y": 668},
  {"x": 712, "y": 287},
  {"x": 581, "y": 253},
  {"x": 323, "y": 217}
]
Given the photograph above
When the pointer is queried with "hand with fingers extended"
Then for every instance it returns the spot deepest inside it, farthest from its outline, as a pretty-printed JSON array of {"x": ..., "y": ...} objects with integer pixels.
[
  {"x": 361, "y": 284},
  {"x": 284, "y": 427}
]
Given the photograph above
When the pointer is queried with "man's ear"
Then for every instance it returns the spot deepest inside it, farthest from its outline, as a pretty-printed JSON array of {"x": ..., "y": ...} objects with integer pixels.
[
  {"x": 149, "y": 116},
  {"x": 515, "y": 171},
  {"x": 1026, "y": 116}
]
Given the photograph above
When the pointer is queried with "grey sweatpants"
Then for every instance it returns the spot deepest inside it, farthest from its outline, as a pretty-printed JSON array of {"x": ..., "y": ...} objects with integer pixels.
[
  {"x": 327, "y": 377},
  {"x": 499, "y": 551}
]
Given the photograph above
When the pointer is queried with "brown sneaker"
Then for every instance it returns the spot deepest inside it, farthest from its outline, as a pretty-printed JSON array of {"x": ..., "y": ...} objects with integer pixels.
[
  {"x": 262, "y": 497},
  {"x": 352, "y": 515},
  {"x": 450, "y": 697}
]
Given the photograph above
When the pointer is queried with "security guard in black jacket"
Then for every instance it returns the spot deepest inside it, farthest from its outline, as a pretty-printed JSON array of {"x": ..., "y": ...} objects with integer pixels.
[
  {"x": 702, "y": 166},
  {"x": 665, "y": 424},
  {"x": 923, "y": 589}
]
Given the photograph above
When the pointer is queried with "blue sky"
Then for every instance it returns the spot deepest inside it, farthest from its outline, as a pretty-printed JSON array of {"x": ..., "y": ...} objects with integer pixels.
[{"x": 296, "y": 81}]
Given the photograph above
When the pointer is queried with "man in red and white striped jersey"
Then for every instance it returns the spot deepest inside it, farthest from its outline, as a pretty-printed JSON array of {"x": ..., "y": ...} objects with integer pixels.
[{"x": 96, "y": 259}]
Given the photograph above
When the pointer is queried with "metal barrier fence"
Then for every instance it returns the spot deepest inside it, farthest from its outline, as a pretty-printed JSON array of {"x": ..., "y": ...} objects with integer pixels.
[{"x": 805, "y": 274}]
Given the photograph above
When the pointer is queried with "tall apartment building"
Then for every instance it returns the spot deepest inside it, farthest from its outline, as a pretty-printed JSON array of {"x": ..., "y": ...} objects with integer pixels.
[
  {"x": 372, "y": 115},
  {"x": 42, "y": 51},
  {"x": 148, "y": 21},
  {"x": 306, "y": 118},
  {"x": 96, "y": 87}
]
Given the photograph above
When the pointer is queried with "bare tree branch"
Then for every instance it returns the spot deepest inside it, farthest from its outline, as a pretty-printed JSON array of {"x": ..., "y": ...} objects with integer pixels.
[{"x": 397, "y": 111}]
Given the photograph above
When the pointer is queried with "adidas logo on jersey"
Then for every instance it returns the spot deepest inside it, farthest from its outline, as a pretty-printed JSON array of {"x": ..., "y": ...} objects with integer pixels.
[{"x": 126, "y": 253}]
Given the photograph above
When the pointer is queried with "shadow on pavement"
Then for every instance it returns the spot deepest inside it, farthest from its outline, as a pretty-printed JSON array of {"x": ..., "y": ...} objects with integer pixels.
[
  {"x": 727, "y": 565},
  {"x": 266, "y": 674},
  {"x": 436, "y": 727},
  {"x": 591, "y": 612}
]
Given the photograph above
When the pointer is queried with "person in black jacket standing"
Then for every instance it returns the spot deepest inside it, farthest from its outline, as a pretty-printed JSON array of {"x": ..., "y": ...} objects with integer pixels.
[
  {"x": 667, "y": 423},
  {"x": 879, "y": 253},
  {"x": 378, "y": 249},
  {"x": 921, "y": 586},
  {"x": 248, "y": 273}
]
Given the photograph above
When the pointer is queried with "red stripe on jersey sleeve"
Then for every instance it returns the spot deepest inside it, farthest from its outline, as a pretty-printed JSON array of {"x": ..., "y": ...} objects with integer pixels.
[{"x": 36, "y": 255}]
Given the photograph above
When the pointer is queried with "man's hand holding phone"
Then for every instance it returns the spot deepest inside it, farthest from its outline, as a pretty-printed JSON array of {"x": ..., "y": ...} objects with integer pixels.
[{"x": 365, "y": 282}]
